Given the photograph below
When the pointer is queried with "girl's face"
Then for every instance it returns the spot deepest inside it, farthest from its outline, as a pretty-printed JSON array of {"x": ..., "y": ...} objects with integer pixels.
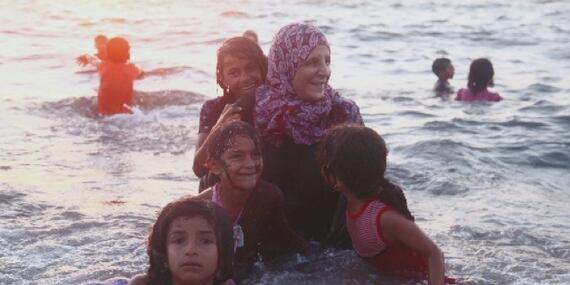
[
  {"x": 192, "y": 249},
  {"x": 241, "y": 76},
  {"x": 312, "y": 76},
  {"x": 242, "y": 164}
]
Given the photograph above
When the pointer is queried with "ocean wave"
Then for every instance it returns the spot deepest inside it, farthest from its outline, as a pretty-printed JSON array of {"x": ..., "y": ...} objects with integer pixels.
[
  {"x": 542, "y": 88},
  {"x": 87, "y": 106}
]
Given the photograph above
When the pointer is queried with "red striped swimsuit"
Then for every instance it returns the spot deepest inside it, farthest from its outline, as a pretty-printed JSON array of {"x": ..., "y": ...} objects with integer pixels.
[{"x": 389, "y": 257}]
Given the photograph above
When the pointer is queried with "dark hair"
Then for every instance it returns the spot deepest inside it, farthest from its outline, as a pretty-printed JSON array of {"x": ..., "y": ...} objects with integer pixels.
[
  {"x": 480, "y": 75},
  {"x": 221, "y": 139},
  {"x": 158, "y": 273},
  {"x": 356, "y": 155},
  {"x": 243, "y": 48},
  {"x": 118, "y": 50},
  {"x": 252, "y": 34},
  {"x": 439, "y": 65}
]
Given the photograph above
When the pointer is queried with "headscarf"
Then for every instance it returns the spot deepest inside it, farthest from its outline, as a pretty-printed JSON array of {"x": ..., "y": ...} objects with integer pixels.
[{"x": 280, "y": 113}]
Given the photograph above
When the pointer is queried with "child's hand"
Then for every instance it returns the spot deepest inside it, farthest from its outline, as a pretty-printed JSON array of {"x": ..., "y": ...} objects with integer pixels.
[
  {"x": 229, "y": 114},
  {"x": 82, "y": 60}
]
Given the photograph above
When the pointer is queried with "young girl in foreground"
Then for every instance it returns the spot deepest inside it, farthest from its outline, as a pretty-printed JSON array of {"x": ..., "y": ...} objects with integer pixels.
[
  {"x": 480, "y": 77},
  {"x": 191, "y": 243},
  {"x": 382, "y": 229},
  {"x": 256, "y": 207}
]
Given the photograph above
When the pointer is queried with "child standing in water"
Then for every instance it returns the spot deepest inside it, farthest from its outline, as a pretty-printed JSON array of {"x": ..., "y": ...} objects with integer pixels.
[
  {"x": 241, "y": 67},
  {"x": 382, "y": 229},
  {"x": 101, "y": 55},
  {"x": 256, "y": 207},
  {"x": 191, "y": 243},
  {"x": 480, "y": 77},
  {"x": 116, "y": 79},
  {"x": 444, "y": 70}
]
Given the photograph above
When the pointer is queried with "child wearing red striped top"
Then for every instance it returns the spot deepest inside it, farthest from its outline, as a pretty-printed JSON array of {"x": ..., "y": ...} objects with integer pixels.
[{"x": 382, "y": 229}]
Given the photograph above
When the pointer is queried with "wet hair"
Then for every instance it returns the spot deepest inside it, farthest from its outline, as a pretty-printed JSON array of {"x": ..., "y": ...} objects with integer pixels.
[
  {"x": 252, "y": 34},
  {"x": 481, "y": 74},
  {"x": 439, "y": 65},
  {"x": 243, "y": 48},
  {"x": 356, "y": 155},
  {"x": 118, "y": 50},
  {"x": 158, "y": 273},
  {"x": 223, "y": 138}
]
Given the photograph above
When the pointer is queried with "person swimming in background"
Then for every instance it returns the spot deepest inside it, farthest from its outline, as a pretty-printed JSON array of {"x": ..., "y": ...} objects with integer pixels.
[
  {"x": 480, "y": 77},
  {"x": 241, "y": 67},
  {"x": 353, "y": 161},
  {"x": 251, "y": 35},
  {"x": 444, "y": 70},
  {"x": 191, "y": 243},
  {"x": 256, "y": 207},
  {"x": 116, "y": 76},
  {"x": 100, "y": 42}
]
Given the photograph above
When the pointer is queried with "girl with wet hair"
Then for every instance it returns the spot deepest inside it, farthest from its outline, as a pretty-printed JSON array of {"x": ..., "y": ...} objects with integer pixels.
[
  {"x": 480, "y": 77},
  {"x": 191, "y": 242},
  {"x": 292, "y": 112},
  {"x": 382, "y": 229},
  {"x": 256, "y": 207},
  {"x": 241, "y": 67}
]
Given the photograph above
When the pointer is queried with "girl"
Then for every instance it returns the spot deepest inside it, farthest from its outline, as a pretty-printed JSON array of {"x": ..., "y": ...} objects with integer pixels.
[
  {"x": 255, "y": 206},
  {"x": 480, "y": 77},
  {"x": 382, "y": 229},
  {"x": 241, "y": 68},
  {"x": 191, "y": 243},
  {"x": 292, "y": 111}
]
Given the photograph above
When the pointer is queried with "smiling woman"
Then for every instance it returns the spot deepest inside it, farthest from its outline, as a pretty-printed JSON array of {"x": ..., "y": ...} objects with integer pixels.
[{"x": 292, "y": 112}]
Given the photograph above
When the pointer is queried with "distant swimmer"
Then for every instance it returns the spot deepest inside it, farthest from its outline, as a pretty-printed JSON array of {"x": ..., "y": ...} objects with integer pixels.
[
  {"x": 101, "y": 55},
  {"x": 480, "y": 77},
  {"x": 116, "y": 79},
  {"x": 444, "y": 70}
]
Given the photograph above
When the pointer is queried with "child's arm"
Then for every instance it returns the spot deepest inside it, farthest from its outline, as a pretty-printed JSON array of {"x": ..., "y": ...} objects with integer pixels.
[
  {"x": 84, "y": 60},
  {"x": 229, "y": 114},
  {"x": 396, "y": 227}
]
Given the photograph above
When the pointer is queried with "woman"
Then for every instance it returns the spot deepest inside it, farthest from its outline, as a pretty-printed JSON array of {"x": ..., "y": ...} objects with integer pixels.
[
  {"x": 241, "y": 68},
  {"x": 292, "y": 112}
]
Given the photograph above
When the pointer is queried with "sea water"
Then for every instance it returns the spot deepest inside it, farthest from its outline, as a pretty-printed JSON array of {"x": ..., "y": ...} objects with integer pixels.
[{"x": 489, "y": 183}]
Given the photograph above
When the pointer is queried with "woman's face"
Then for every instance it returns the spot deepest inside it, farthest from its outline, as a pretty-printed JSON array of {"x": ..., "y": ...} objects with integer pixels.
[
  {"x": 240, "y": 76},
  {"x": 313, "y": 74}
]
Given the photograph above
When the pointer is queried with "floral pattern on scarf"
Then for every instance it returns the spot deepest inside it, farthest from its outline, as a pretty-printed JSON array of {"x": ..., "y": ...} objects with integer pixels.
[{"x": 279, "y": 113}]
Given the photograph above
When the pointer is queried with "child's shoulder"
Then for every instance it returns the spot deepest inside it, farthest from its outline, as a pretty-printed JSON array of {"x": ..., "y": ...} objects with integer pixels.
[{"x": 268, "y": 190}]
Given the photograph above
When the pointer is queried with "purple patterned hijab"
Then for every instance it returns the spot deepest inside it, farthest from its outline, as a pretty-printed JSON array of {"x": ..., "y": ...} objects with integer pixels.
[{"x": 279, "y": 113}]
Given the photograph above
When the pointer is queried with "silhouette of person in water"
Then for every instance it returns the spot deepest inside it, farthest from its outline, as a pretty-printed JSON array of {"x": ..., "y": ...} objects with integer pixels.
[{"x": 116, "y": 79}]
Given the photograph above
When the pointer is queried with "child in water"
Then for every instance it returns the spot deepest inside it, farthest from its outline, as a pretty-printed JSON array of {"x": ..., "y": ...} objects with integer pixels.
[
  {"x": 256, "y": 207},
  {"x": 101, "y": 55},
  {"x": 382, "y": 229},
  {"x": 444, "y": 70},
  {"x": 241, "y": 67},
  {"x": 480, "y": 77},
  {"x": 116, "y": 79},
  {"x": 191, "y": 243}
]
